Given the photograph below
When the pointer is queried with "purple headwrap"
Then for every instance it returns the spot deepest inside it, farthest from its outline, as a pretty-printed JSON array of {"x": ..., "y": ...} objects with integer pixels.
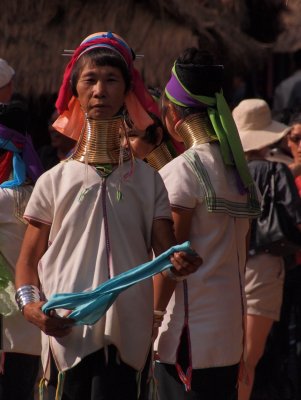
[{"x": 179, "y": 95}]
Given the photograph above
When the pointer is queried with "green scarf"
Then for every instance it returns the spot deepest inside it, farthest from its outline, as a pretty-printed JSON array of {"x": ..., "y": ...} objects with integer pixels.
[{"x": 224, "y": 127}]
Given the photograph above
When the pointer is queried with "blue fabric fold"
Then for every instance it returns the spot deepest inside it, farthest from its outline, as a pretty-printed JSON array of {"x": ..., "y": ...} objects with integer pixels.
[
  {"x": 19, "y": 167},
  {"x": 89, "y": 307},
  {"x": 29, "y": 156}
]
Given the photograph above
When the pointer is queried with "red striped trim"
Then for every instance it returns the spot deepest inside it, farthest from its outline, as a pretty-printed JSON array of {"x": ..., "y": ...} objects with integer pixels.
[
  {"x": 6, "y": 161},
  {"x": 186, "y": 378},
  {"x": 181, "y": 207},
  {"x": 162, "y": 217},
  {"x": 106, "y": 225},
  {"x": 30, "y": 218}
]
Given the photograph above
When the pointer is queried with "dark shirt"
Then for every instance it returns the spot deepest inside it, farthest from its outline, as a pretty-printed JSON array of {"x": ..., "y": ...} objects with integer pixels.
[{"x": 286, "y": 194}]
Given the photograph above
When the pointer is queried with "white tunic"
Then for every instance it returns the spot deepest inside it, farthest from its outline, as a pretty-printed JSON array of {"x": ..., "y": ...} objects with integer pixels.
[
  {"x": 77, "y": 257},
  {"x": 18, "y": 335},
  {"x": 215, "y": 294}
]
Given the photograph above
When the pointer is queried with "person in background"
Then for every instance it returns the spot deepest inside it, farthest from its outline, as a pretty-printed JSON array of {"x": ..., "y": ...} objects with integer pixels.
[
  {"x": 154, "y": 145},
  {"x": 283, "y": 99},
  {"x": 293, "y": 143},
  {"x": 200, "y": 342},
  {"x": 285, "y": 337},
  {"x": 287, "y": 149},
  {"x": 176, "y": 147},
  {"x": 264, "y": 276},
  {"x": 59, "y": 148},
  {"x": 20, "y": 341},
  {"x": 289, "y": 330},
  {"x": 280, "y": 152}
]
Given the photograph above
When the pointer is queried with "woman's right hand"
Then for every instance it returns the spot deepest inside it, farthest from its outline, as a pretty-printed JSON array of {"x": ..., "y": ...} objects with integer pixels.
[{"x": 52, "y": 324}]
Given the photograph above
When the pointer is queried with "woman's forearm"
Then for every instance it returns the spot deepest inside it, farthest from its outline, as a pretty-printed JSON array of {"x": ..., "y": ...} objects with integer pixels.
[{"x": 34, "y": 245}]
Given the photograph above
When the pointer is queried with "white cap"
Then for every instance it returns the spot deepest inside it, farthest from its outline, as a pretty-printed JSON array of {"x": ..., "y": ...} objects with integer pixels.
[{"x": 6, "y": 73}]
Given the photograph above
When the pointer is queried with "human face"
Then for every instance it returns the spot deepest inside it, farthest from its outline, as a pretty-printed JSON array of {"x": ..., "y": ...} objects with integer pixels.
[
  {"x": 139, "y": 145},
  {"x": 294, "y": 142},
  {"x": 136, "y": 140},
  {"x": 101, "y": 91},
  {"x": 142, "y": 142}
]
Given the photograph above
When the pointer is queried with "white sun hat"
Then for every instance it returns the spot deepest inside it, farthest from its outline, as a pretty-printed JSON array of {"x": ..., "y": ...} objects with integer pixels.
[{"x": 256, "y": 128}]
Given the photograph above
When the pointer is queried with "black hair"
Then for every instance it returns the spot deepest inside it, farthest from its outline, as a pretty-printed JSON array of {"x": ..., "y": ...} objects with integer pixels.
[
  {"x": 14, "y": 115},
  {"x": 100, "y": 56},
  {"x": 295, "y": 119},
  {"x": 155, "y": 92},
  {"x": 151, "y": 131},
  {"x": 150, "y": 135},
  {"x": 195, "y": 56},
  {"x": 297, "y": 58},
  {"x": 198, "y": 70}
]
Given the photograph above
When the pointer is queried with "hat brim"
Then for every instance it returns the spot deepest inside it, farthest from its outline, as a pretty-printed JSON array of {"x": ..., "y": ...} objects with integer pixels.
[{"x": 258, "y": 139}]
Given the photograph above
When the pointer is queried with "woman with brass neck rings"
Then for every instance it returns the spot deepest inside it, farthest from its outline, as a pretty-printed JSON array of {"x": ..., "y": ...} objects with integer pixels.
[
  {"x": 212, "y": 196},
  {"x": 92, "y": 217},
  {"x": 153, "y": 145}
]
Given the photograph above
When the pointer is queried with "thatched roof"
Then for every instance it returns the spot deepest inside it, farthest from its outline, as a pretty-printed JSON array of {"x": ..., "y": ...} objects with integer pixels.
[
  {"x": 218, "y": 23},
  {"x": 34, "y": 34},
  {"x": 290, "y": 39}
]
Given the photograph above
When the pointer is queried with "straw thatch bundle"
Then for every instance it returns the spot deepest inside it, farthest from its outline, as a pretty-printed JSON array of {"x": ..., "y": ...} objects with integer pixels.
[
  {"x": 289, "y": 40},
  {"x": 34, "y": 34}
]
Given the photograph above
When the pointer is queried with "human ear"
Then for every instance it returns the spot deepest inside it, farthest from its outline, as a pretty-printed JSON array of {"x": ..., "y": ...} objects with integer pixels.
[
  {"x": 172, "y": 113},
  {"x": 171, "y": 119}
]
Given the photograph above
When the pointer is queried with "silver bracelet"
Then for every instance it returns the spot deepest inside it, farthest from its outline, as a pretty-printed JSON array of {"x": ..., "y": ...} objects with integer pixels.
[{"x": 27, "y": 294}]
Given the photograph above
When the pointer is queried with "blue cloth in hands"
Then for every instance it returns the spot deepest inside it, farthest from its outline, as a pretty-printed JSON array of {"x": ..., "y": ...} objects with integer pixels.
[{"x": 88, "y": 307}]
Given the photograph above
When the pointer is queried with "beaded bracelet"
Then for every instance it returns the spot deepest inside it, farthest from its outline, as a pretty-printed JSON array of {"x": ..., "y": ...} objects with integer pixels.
[
  {"x": 159, "y": 313},
  {"x": 27, "y": 294},
  {"x": 158, "y": 318}
]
